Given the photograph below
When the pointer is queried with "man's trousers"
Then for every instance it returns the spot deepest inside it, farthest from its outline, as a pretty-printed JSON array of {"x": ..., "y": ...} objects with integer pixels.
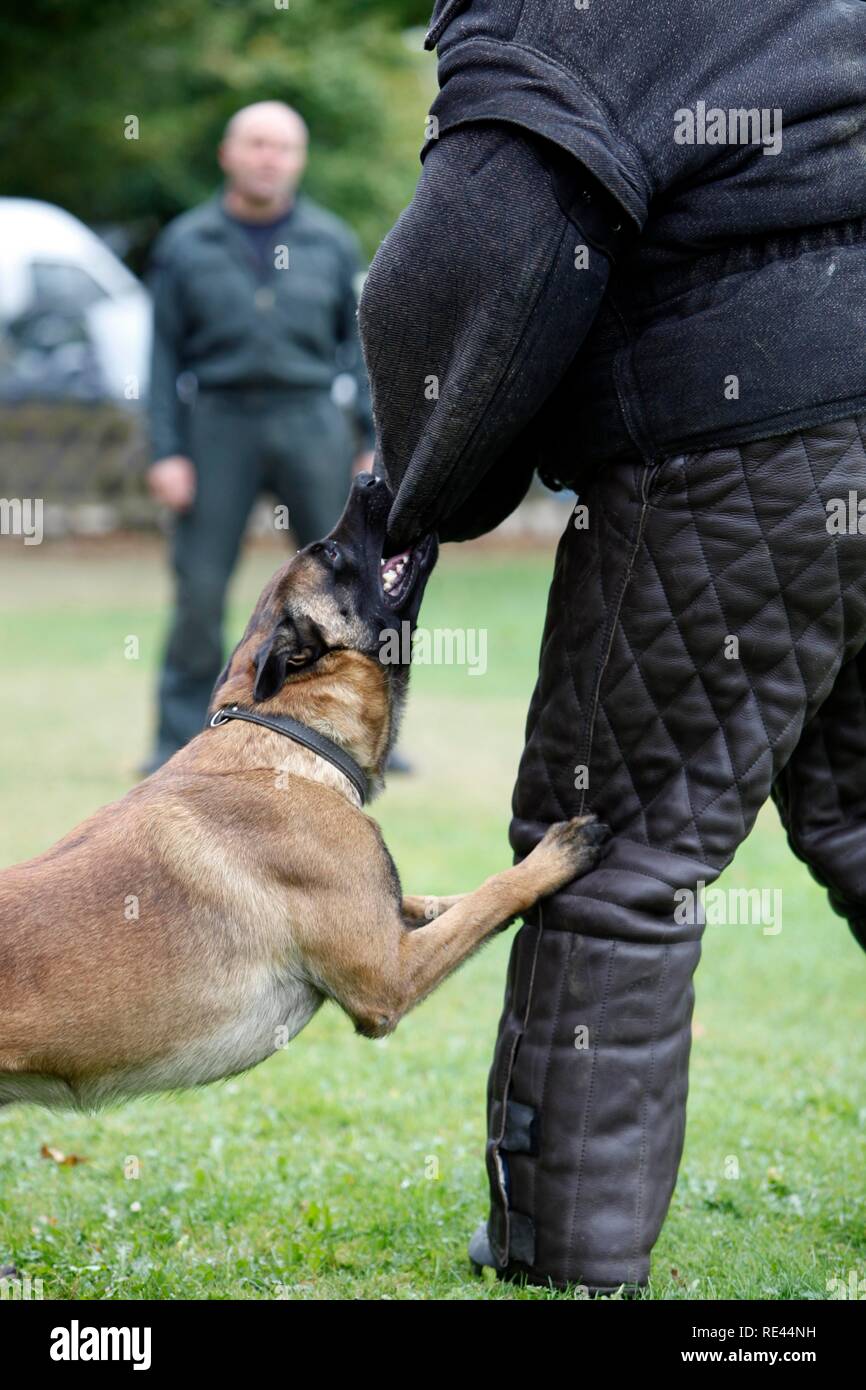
[
  {"x": 297, "y": 445},
  {"x": 703, "y": 650}
]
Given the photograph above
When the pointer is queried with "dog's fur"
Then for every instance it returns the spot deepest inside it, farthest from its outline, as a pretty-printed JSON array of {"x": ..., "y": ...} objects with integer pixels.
[{"x": 187, "y": 931}]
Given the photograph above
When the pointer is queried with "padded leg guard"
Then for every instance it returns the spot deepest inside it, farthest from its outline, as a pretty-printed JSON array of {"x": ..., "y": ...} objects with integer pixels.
[
  {"x": 586, "y": 1106},
  {"x": 821, "y": 796}
]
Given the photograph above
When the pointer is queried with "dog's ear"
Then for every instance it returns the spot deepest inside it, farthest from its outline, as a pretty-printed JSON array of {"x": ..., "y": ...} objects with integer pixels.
[{"x": 294, "y": 642}]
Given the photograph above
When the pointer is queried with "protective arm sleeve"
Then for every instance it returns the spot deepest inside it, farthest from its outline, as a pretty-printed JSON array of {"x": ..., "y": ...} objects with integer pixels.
[{"x": 474, "y": 308}]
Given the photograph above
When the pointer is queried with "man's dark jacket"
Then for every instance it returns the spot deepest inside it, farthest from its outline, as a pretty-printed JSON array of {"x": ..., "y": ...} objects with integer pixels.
[
  {"x": 737, "y": 302},
  {"x": 233, "y": 321}
]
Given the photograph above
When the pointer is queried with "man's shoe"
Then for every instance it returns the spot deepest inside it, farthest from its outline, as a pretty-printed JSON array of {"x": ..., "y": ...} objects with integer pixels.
[
  {"x": 481, "y": 1256},
  {"x": 480, "y": 1253}
]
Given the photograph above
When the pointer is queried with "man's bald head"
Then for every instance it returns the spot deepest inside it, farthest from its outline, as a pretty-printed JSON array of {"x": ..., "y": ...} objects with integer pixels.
[
  {"x": 273, "y": 115},
  {"x": 263, "y": 154}
]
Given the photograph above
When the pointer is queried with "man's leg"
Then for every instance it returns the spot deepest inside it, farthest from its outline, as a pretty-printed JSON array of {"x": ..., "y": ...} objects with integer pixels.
[
  {"x": 309, "y": 451},
  {"x": 821, "y": 796},
  {"x": 692, "y": 630},
  {"x": 204, "y": 548}
]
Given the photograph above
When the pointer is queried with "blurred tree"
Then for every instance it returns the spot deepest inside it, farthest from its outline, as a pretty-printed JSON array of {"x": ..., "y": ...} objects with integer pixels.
[{"x": 74, "y": 72}]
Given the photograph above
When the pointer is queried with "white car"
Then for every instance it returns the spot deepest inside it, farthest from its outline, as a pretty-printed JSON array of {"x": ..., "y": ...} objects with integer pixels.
[{"x": 74, "y": 321}]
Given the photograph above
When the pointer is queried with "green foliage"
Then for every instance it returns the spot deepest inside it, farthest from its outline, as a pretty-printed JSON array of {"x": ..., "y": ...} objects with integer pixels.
[{"x": 72, "y": 73}]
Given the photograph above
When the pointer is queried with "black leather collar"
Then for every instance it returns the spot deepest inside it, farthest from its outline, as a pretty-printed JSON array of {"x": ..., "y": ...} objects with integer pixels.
[{"x": 301, "y": 733}]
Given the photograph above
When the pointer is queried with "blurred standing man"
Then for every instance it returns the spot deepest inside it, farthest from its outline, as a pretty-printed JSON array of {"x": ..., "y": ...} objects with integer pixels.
[{"x": 254, "y": 307}]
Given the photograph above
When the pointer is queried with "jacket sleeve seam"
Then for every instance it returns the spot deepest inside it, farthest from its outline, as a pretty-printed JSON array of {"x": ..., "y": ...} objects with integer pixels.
[{"x": 579, "y": 79}]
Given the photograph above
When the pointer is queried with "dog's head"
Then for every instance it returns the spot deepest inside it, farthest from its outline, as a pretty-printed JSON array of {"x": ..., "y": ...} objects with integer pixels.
[{"x": 328, "y": 640}]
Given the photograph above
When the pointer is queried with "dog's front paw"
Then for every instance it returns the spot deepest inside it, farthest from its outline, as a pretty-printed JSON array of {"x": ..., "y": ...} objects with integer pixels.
[{"x": 571, "y": 848}]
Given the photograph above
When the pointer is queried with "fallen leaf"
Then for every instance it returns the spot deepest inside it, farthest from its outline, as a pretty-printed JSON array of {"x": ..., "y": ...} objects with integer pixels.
[{"x": 68, "y": 1160}]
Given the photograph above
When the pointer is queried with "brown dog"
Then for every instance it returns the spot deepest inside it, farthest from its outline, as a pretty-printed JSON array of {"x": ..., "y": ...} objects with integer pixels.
[{"x": 187, "y": 931}]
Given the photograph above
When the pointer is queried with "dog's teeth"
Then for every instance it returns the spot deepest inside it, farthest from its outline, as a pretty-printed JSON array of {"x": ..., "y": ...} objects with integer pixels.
[{"x": 394, "y": 571}]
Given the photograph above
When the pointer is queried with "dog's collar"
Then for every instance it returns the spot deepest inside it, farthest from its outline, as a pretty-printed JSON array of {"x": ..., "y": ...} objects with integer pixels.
[{"x": 301, "y": 733}]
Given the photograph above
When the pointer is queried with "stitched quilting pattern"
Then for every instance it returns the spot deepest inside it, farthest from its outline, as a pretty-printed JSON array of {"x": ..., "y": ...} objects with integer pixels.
[{"x": 738, "y": 612}]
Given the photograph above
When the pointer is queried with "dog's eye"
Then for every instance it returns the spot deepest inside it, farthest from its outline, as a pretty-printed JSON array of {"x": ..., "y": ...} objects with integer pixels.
[{"x": 329, "y": 549}]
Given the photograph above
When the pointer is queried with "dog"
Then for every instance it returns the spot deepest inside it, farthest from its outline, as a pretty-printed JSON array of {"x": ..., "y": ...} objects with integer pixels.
[{"x": 189, "y": 930}]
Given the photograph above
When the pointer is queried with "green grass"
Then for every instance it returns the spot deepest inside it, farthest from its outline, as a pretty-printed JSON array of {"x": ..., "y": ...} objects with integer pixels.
[{"x": 343, "y": 1168}]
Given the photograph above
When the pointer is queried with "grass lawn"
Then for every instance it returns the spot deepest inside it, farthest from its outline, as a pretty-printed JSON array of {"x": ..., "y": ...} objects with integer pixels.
[{"x": 343, "y": 1168}]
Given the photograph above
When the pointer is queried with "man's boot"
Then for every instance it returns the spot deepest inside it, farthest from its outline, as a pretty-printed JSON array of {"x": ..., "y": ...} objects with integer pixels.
[{"x": 586, "y": 1106}]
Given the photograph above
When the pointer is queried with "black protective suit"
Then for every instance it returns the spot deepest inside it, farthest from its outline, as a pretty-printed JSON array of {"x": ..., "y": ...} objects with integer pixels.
[{"x": 676, "y": 330}]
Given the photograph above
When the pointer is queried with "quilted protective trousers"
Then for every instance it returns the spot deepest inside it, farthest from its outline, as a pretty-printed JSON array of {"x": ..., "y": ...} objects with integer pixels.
[{"x": 703, "y": 650}]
